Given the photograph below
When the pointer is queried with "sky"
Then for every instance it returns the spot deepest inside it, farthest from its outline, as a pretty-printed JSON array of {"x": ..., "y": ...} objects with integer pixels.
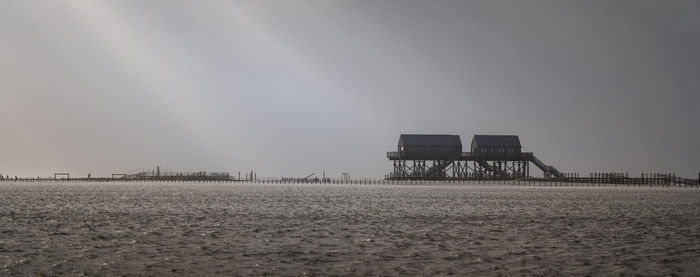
[{"x": 289, "y": 88}]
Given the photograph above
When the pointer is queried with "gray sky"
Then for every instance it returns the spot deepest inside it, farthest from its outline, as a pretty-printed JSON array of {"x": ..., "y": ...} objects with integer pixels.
[{"x": 290, "y": 87}]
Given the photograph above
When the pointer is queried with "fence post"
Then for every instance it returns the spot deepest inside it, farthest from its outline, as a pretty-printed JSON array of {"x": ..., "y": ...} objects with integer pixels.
[
  {"x": 676, "y": 180},
  {"x": 597, "y": 179}
]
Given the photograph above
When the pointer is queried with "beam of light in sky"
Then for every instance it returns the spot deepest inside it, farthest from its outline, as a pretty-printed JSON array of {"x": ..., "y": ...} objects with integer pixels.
[{"x": 141, "y": 56}]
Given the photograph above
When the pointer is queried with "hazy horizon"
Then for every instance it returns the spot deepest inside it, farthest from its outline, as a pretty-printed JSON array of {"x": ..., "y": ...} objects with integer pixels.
[{"x": 291, "y": 88}]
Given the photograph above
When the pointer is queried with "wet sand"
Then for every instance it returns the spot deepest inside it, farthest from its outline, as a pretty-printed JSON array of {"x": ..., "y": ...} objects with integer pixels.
[{"x": 232, "y": 229}]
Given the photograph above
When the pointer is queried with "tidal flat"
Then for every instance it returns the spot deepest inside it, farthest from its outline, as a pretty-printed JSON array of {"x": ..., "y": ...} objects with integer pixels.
[{"x": 196, "y": 229}]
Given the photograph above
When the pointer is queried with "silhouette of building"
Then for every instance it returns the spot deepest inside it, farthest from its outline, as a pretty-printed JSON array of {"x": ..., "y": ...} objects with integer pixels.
[
  {"x": 429, "y": 147},
  {"x": 496, "y": 146}
]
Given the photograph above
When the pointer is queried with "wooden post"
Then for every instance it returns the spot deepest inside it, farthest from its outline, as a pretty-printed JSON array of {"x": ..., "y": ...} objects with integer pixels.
[
  {"x": 675, "y": 180},
  {"x": 597, "y": 179},
  {"x": 606, "y": 178}
]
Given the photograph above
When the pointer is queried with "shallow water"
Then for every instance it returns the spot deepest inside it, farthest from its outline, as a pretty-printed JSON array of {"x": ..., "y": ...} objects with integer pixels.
[{"x": 233, "y": 229}]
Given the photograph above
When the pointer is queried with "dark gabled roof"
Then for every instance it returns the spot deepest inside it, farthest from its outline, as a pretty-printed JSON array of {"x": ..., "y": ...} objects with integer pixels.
[
  {"x": 447, "y": 140},
  {"x": 497, "y": 140}
]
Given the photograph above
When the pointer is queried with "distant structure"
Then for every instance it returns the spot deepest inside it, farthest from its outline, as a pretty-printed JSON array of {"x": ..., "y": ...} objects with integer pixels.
[
  {"x": 67, "y": 175},
  {"x": 431, "y": 147},
  {"x": 157, "y": 175},
  {"x": 440, "y": 157},
  {"x": 503, "y": 146}
]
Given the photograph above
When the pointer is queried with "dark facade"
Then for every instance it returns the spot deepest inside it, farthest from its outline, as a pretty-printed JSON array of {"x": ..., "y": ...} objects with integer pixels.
[
  {"x": 429, "y": 147},
  {"x": 496, "y": 146}
]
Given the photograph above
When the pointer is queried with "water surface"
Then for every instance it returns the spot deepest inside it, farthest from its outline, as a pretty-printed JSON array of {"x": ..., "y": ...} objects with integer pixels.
[{"x": 234, "y": 229}]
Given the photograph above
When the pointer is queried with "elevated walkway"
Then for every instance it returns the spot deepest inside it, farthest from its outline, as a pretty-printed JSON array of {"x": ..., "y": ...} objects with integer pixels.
[
  {"x": 548, "y": 170},
  {"x": 483, "y": 161}
]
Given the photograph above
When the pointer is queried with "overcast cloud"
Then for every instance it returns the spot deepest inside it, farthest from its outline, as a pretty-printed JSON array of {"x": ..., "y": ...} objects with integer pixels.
[{"x": 292, "y": 87}]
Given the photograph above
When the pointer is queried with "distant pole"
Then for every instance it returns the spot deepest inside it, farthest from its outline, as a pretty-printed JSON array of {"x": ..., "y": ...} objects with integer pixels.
[{"x": 674, "y": 179}]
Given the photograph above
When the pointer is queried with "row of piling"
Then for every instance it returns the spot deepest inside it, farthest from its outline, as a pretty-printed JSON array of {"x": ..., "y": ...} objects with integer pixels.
[
  {"x": 580, "y": 182},
  {"x": 569, "y": 179}
]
